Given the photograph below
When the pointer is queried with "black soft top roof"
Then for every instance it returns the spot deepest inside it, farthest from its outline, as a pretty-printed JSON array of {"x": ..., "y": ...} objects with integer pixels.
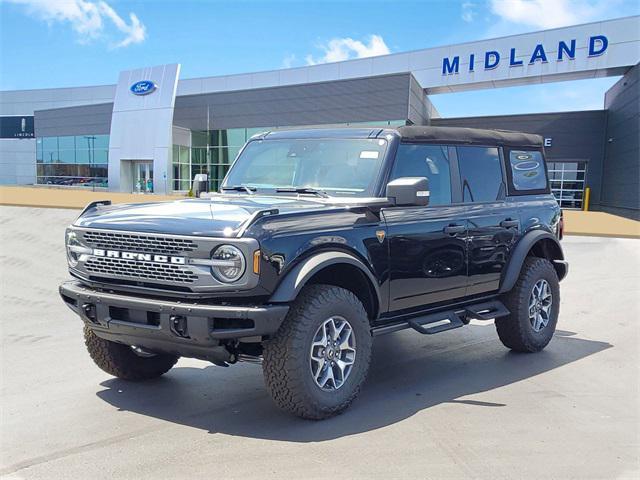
[
  {"x": 473, "y": 136},
  {"x": 450, "y": 135}
]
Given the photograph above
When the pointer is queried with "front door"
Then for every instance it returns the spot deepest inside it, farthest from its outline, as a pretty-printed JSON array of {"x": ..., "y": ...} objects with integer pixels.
[
  {"x": 427, "y": 245},
  {"x": 142, "y": 177},
  {"x": 427, "y": 252}
]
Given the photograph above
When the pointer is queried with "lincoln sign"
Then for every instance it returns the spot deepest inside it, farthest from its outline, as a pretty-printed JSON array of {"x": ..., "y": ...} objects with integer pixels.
[{"x": 491, "y": 59}]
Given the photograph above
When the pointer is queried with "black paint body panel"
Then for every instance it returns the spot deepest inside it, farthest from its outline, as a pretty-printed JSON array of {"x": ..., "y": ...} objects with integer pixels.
[{"x": 417, "y": 261}]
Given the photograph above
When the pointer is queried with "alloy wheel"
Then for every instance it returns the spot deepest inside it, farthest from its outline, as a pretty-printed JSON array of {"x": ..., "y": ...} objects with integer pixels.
[
  {"x": 540, "y": 303},
  {"x": 333, "y": 353}
]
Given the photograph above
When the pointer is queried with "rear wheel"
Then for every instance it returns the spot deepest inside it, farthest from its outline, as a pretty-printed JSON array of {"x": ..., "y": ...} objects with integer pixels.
[
  {"x": 534, "y": 303},
  {"x": 126, "y": 362},
  {"x": 316, "y": 363}
]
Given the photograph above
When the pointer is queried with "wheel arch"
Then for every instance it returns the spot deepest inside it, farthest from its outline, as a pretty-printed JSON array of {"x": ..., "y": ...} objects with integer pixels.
[
  {"x": 332, "y": 268},
  {"x": 537, "y": 243}
]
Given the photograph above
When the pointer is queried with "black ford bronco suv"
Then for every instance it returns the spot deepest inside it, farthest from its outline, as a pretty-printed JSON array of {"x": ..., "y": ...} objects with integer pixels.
[{"x": 318, "y": 241}]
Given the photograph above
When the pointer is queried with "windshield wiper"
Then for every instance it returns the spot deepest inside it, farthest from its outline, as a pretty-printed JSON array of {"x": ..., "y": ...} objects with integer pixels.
[
  {"x": 241, "y": 188},
  {"x": 312, "y": 191}
]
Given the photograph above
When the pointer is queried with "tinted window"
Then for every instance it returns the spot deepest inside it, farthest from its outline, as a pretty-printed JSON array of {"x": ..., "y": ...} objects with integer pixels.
[
  {"x": 431, "y": 161},
  {"x": 527, "y": 170},
  {"x": 480, "y": 173}
]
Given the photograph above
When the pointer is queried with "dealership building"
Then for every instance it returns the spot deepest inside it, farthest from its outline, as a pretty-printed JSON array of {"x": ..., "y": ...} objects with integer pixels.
[{"x": 153, "y": 131}]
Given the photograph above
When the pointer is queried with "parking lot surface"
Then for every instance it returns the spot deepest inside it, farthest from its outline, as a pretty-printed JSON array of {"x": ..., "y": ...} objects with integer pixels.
[{"x": 453, "y": 405}]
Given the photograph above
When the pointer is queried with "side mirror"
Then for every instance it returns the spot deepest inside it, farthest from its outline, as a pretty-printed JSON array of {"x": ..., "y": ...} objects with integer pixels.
[{"x": 409, "y": 191}]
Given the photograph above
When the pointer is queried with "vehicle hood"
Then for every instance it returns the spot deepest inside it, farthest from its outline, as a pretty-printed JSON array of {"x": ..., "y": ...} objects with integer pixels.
[{"x": 221, "y": 215}]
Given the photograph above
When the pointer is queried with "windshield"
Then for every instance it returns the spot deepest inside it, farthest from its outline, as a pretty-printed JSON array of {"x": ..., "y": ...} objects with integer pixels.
[{"x": 340, "y": 167}]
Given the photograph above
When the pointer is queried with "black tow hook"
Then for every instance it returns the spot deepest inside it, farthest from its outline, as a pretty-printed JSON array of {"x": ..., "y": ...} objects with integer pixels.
[
  {"x": 89, "y": 311},
  {"x": 179, "y": 325}
]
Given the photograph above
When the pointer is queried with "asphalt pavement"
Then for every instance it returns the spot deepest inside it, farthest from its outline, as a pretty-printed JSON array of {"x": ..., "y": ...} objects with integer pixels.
[{"x": 453, "y": 405}]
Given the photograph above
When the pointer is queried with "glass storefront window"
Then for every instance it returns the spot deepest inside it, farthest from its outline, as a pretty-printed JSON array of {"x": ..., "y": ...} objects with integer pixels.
[
  {"x": 101, "y": 142},
  {"x": 50, "y": 156},
  {"x": 39, "y": 150},
  {"x": 199, "y": 156},
  {"x": 67, "y": 156},
  {"x": 184, "y": 154},
  {"x": 67, "y": 143},
  {"x": 199, "y": 139},
  {"x": 100, "y": 156},
  {"x": 80, "y": 160},
  {"x": 236, "y": 137},
  {"x": 50, "y": 143}
]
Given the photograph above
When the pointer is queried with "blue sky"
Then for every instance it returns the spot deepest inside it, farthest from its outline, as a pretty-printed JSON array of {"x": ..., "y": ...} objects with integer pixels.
[{"x": 59, "y": 43}]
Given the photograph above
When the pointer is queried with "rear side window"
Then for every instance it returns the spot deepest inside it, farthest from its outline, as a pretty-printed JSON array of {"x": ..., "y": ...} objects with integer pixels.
[
  {"x": 431, "y": 161},
  {"x": 480, "y": 173},
  {"x": 527, "y": 170}
]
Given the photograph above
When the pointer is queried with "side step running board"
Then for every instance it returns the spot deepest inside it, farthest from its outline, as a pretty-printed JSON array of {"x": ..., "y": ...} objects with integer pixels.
[
  {"x": 447, "y": 320},
  {"x": 486, "y": 310},
  {"x": 436, "y": 323}
]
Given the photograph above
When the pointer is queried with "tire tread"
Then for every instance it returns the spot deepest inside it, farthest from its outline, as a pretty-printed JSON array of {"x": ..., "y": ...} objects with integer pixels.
[
  {"x": 511, "y": 329},
  {"x": 120, "y": 361},
  {"x": 284, "y": 361}
]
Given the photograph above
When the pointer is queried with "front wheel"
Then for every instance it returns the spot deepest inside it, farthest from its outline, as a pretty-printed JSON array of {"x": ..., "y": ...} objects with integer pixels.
[
  {"x": 316, "y": 363},
  {"x": 534, "y": 303}
]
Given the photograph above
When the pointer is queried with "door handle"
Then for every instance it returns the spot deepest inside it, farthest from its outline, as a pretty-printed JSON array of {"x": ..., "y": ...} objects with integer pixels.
[
  {"x": 452, "y": 229},
  {"x": 508, "y": 223}
]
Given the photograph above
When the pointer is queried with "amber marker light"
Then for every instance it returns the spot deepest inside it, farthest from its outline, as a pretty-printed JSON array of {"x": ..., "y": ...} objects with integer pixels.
[{"x": 256, "y": 262}]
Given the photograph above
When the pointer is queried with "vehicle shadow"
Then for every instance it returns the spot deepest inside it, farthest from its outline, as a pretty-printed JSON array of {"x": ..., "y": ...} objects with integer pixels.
[{"x": 409, "y": 373}]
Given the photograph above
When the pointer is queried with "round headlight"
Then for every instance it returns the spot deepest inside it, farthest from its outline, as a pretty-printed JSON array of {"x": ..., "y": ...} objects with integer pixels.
[
  {"x": 72, "y": 241},
  {"x": 228, "y": 263}
]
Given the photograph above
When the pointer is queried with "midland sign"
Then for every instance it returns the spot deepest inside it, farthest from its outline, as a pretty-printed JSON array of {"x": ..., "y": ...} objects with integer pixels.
[{"x": 564, "y": 50}]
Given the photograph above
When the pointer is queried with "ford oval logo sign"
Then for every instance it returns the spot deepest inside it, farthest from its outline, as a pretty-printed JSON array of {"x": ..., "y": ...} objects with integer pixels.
[{"x": 143, "y": 87}]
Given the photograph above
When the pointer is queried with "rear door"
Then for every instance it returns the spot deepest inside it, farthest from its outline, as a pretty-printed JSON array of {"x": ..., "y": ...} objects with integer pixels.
[
  {"x": 427, "y": 245},
  {"x": 493, "y": 224}
]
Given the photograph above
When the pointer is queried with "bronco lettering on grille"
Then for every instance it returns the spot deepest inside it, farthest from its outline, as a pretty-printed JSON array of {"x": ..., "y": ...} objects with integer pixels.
[{"x": 145, "y": 257}]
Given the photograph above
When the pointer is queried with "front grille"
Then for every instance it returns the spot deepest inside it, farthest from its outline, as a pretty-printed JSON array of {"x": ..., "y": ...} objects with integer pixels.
[
  {"x": 139, "y": 243},
  {"x": 140, "y": 270}
]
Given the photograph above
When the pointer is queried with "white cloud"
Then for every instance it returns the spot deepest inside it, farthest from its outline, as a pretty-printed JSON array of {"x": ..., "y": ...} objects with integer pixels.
[
  {"x": 339, "y": 49},
  {"x": 468, "y": 11},
  {"x": 288, "y": 61},
  {"x": 90, "y": 20},
  {"x": 548, "y": 13}
]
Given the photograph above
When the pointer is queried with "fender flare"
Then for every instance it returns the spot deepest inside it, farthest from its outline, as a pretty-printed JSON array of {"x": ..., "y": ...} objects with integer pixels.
[
  {"x": 523, "y": 247},
  {"x": 294, "y": 280}
]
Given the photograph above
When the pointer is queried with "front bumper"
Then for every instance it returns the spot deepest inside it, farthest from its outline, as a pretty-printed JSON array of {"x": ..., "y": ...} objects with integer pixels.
[{"x": 186, "y": 329}]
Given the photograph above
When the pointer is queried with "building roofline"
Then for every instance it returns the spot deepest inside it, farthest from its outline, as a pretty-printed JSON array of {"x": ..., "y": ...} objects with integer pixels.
[{"x": 511, "y": 115}]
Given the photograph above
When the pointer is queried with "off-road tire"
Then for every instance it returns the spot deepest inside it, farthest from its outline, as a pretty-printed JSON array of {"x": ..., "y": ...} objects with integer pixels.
[
  {"x": 286, "y": 355},
  {"x": 122, "y": 362},
  {"x": 515, "y": 330}
]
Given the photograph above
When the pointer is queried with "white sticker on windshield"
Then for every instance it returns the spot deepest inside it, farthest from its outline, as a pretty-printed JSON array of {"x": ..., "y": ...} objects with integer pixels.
[{"x": 369, "y": 154}]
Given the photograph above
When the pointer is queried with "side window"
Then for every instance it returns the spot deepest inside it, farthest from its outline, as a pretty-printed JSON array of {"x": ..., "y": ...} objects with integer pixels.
[
  {"x": 431, "y": 161},
  {"x": 480, "y": 173},
  {"x": 527, "y": 170}
]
